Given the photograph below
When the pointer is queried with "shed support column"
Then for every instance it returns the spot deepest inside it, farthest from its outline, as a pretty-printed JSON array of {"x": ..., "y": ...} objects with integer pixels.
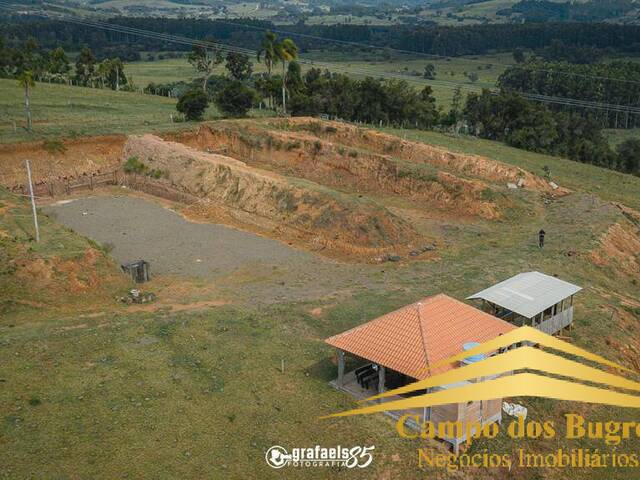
[
  {"x": 381, "y": 379},
  {"x": 340, "y": 368}
]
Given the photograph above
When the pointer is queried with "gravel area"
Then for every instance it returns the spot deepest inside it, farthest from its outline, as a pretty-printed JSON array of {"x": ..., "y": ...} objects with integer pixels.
[{"x": 139, "y": 229}]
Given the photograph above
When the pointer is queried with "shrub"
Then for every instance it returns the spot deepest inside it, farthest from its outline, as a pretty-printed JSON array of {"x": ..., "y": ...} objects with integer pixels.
[
  {"x": 54, "y": 146},
  {"x": 134, "y": 165},
  {"x": 193, "y": 104},
  {"x": 235, "y": 99}
]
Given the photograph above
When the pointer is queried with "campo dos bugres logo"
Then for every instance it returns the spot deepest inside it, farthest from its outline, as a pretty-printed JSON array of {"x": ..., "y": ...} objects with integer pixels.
[{"x": 510, "y": 373}]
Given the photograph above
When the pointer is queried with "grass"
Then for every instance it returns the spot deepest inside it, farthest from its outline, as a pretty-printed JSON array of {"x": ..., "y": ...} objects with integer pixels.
[
  {"x": 62, "y": 111},
  {"x": 487, "y": 67},
  {"x": 201, "y": 394},
  {"x": 40, "y": 272},
  {"x": 607, "y": 184},
  {"x": 616, "y": 137},
  {"x": 188, "y": 395}
]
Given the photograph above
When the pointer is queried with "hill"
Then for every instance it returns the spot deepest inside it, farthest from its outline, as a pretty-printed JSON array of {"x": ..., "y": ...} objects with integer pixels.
[{"x": 230, "y": 360}]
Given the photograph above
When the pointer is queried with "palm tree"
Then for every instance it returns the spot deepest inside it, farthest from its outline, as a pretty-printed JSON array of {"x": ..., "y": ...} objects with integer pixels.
[
  {"x": 26, "y": 81},
  {"x": 287, "y": 51},
  {"x": 268, "y": 52}
]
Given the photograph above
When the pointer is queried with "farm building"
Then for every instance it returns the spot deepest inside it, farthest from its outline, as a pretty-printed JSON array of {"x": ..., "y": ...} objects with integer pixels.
[
  {"x": 400, "y": 348},
  {"x": 532, "y": 299}
]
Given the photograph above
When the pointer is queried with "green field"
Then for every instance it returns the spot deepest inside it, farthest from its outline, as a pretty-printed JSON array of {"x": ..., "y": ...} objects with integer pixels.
[
  {"x": 455, "y": 69},
  {"x": 200, "y": 394},
  {"x": 93, "y": 389}
]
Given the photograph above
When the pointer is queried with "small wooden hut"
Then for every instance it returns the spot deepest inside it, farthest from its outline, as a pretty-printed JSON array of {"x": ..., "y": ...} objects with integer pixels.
[{"x": 531, "y": 298}]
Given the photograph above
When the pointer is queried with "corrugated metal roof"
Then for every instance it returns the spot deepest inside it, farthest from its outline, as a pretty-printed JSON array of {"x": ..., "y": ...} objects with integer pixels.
[
  {"x": 411, "y": 339},
  {"x": 528, "y": 294}
]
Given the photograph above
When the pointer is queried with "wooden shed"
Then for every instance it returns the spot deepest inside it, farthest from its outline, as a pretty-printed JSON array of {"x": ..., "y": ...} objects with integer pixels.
[
  {"x": 400, "y": 347},
  {"x": 531, "y": 298}
]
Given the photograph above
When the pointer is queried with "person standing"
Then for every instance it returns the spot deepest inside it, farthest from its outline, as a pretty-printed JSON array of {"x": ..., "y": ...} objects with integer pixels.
[{"x": 541, "y": 235}]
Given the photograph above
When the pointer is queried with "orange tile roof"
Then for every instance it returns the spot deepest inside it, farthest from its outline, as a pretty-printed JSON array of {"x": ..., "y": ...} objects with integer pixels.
[{"x": 414, "y": 337}]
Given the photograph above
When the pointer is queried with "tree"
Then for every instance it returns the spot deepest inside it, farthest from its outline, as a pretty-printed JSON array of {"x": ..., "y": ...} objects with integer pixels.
[
  {"x": 629, "y": 156},
  {"x": 235, "y": 99},
  {"x": 429, "y": 71},
  {"x": 26, "y": 81},
  {"x": 114, "y": 73},
  {"x": 473, "y": 76},
  {"x": 58, "y": 65},
  {"x": 205, "y": 60},
  {"x": 518, "y": 55},
  {"x": 286, "y": 51},
  {"x": 239, "y": 66},
  {"x": 5, "y": 59},
  {"x": 85, "y": 67},
  {"x": 193, "y": 104},
  {"x": 267, "y": 52}
]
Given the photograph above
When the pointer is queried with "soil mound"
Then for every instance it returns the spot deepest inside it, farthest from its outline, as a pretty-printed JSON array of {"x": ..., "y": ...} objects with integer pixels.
[
  {"x": 271, "y": 203},
  {"x": 335, "y": 165},
  {"x": 473, "y": 165},
  {"x": 620, "y": 248}
]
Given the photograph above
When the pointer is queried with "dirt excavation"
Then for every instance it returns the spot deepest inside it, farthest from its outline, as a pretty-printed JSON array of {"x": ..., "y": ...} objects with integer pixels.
[
  {"x": 620, "y": 249},
  {"x": 337, "y": 166},
  {"x": 327, "y": 187},
  {"x": 52, "y": 159},
  {"x": 272, "y": 203}
]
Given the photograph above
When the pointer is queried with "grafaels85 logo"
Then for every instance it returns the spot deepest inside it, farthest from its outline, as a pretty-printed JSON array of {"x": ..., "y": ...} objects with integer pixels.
[{"x": 360, "y": 457}]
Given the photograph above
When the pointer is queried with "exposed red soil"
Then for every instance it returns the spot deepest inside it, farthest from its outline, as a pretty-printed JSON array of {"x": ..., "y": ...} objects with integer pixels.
[
  {"x": 383, "y": 143},
  {"x": 77, "y": 157},
  {"x": 273, "y": 204},
  {"x": 302, "y": 155},
  {"x": 620, "y": 248}
]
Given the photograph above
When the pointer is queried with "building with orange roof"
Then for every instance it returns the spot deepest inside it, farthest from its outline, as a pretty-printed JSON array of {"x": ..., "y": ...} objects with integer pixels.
[{"x": 406, "y": 345}]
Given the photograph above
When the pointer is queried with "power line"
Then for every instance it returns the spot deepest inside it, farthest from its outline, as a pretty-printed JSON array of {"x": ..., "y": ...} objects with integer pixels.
[
  {"x": 414, "y": 52},
  {"x": 349, "y": 69}
]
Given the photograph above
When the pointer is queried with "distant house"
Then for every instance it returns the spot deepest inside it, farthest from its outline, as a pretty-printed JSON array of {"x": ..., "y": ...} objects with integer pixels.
[
  {"x": 400, "y": 347},
  {"x": 532, "y": 299}
]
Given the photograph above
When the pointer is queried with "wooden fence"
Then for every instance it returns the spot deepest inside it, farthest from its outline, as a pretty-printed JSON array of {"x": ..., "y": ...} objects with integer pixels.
[{"x": 158, "y": 187}]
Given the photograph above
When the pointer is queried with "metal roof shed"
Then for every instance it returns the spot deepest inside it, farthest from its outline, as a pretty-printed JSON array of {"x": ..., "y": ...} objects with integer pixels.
[{"x": 545, "y": 301}]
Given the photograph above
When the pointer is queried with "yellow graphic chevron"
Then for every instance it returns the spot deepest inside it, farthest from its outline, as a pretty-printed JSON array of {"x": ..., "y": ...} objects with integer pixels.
[
  {"x": 520, "y": 385},
  {"x": 502, "y": 383},
  {"x": 517, "y": 359}
]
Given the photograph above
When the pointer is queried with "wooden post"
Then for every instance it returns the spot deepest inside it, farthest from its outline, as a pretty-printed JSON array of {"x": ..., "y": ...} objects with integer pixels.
[
  {"x": 33, "y": 201},
  {"x": 340, "y": 368},
  {"x": 381, "y": 379}
]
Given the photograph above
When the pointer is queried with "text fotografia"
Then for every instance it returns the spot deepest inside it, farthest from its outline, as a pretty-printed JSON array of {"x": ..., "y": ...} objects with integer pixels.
[
  {"x": 279, "y": 457},
  {"x": 561, "y": 458}
]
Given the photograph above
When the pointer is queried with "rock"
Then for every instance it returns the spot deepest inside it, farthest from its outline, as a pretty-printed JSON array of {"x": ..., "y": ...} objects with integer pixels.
[
  {"x": 512, "y": 186},
  {"x": 394, "y": 258},
  {"x": 414, "y": 253},
  {"x": 429, "y": 248},
  {"x": 554, "y": 185},
  {"x": 520, "y": 183}
]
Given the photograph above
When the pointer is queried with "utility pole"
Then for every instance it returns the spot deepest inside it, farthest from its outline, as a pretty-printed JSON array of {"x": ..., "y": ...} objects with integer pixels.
[{"x": 33, "y": 201}]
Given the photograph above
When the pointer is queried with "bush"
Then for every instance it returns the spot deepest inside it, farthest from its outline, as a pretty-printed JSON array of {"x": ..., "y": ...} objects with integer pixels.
[
  {"x": 193, "y": 104},
  {"x": 235, "y": 99},
  {"x": 134, "y": 165}
]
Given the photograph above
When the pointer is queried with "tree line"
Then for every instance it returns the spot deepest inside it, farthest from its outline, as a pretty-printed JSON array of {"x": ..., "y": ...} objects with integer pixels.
[
  {"x": 510, "y": 118},
  {"x": 506, "y": 117},
  {"x": 54, "y": 66},
  {"x": 614, "y": 83},
  {"x": 429, "y": 39}
]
